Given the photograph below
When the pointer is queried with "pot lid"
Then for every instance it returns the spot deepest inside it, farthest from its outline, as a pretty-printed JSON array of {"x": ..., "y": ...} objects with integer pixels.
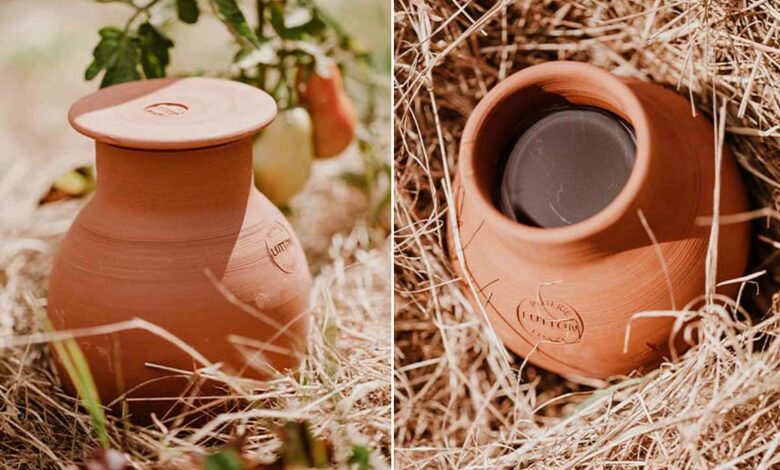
[{"x": 173, "y": 113}]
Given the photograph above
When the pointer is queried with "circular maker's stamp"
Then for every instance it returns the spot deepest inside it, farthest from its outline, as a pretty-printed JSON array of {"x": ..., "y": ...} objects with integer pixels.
[
  {"x": 550, "y": 321},
  {"x": 279, "y": 244},
  {"x": 166, "y": 109}
]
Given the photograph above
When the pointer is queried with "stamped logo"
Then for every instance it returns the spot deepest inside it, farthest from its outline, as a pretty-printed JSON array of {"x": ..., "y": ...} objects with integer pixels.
[
  {"x": 166, "y": 109},
  {"x": 279, "y": 244},
  {"x": 550, "y": 321}
]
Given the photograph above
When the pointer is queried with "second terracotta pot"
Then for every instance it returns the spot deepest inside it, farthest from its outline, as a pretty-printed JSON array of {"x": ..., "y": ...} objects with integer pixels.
[{"x": 563, "y": 296}]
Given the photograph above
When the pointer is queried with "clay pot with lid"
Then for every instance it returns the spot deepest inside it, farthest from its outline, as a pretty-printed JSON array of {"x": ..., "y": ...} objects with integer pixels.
[
  {"x": 563, "y": 296},
  {"x": 174, "y": 225}
]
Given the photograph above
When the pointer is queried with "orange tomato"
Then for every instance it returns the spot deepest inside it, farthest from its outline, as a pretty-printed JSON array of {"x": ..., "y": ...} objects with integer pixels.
[{"x": 332, "y": 112}]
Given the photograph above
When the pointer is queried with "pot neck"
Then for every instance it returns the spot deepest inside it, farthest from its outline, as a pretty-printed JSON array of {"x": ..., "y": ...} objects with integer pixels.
[
  {"x": 664, "y": 184},
  {"x": 167, "y": 181}
]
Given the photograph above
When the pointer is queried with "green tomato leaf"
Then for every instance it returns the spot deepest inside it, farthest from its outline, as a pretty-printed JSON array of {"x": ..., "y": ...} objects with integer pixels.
[
  {"x": 109, "y": 32},
  {"x": 154, "y": 50},
  {"x": 229, "y": 13},
  {"x": 322, "y": 62},
  {"x": 72, "y": 183},
  {"x": 295, "y": 22},
  {"x": 313, "y": 27},
  {"x": 117, "y": 54},
  {"x": 297, "y": 16},
  {"x": 226, "y": 459},
  {"x": 124, "y": 64},
  {"x": 92, "y": 70},
  {"x": 247, "y": 59},
  {"x": 277, "y": 17},
  {"x": 104, "y": 51},
  {"x": 188, "y": 11},
  {"x": 355, "y": 179},
  {"x": 361, "y": 457}
]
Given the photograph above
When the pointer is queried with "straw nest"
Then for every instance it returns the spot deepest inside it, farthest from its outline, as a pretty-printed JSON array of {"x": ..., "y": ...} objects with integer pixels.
[
  {"x": 458, "y": 403},
  {"x": 342, "y": 391}
]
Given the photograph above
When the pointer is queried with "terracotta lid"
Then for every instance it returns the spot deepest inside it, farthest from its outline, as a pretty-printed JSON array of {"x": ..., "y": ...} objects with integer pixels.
[{"x": 173, "y": 113}]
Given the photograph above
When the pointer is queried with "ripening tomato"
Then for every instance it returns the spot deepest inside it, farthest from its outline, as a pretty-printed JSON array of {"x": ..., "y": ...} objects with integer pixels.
[
  {"x": 282, "y": 156},
  {"x": 332, "y": 112}
]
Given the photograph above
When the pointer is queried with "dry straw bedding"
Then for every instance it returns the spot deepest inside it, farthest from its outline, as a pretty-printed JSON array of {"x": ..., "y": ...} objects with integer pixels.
[
  {"x": 342, "y": 389},
  {"x": 458, "y": 402}
]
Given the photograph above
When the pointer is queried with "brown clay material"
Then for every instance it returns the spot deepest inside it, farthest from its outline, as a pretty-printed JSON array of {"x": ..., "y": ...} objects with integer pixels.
[
  {"x": 563, "y": 296},
  {"x": 332, "y": 112},
  {"x": 174, "y": 218},
  {"x": 140, "y": 115}
]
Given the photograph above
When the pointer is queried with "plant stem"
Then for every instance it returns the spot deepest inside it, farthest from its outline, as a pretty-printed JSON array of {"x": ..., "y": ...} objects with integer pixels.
[
  {"x": 241, "y": 40},
  {"x": 138, "y": 11},
  {"x": 261, "y": 34}
]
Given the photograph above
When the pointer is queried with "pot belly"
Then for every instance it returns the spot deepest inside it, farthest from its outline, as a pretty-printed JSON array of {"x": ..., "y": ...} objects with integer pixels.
[
  {"x": 571, "y": 316},
  {"x": 240, "y": 300}
]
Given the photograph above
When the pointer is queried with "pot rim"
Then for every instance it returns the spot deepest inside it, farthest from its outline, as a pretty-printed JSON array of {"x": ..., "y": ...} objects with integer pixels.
[
  {"x": 173, "y": 113},
  {"x": 620, "y": 96}
]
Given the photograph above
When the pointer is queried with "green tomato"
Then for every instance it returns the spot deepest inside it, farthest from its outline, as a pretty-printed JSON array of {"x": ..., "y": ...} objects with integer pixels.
[
  {"x": 76, "y": 182},
  {"x": 283, "y": 154}
]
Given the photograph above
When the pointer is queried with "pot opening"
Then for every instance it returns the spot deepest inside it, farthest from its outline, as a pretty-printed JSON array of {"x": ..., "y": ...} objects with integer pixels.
[
  {"x": 552, "y": 157},
  {"x": 565, "y": 165}
]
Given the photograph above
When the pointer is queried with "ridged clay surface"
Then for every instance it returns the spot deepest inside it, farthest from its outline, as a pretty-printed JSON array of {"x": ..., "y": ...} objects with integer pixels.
[
  {"x": 563, "y": 297},
  {"x": 166, "y": 235}
]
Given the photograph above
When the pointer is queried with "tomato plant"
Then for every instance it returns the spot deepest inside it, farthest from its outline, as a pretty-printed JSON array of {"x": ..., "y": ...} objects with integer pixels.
[
  {"x": 274, "y": 44},
  {"x": 288, "y": 36}
]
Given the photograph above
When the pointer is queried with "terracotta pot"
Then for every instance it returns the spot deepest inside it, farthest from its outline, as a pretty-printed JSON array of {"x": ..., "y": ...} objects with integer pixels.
[
  {"x": 563, "y": 296},
  {"x": 175, "y": 219}
]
